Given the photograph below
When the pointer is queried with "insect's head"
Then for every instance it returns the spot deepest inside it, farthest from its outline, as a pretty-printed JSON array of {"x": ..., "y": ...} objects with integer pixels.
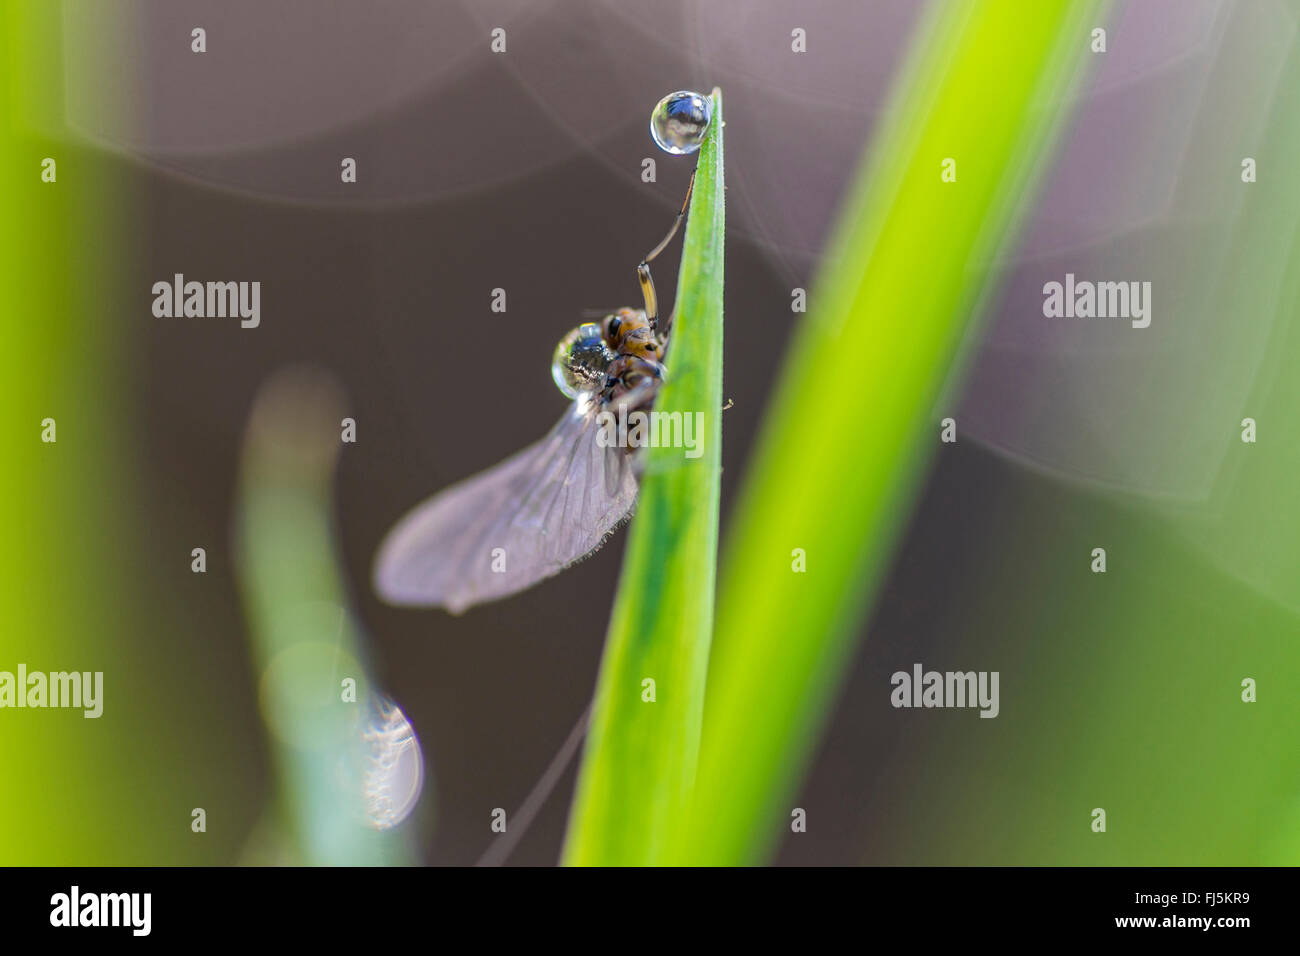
[
  {"x": 628, "y": 333},
  {"x": 617, "y": 324},
  {"x": 581, "y": 359}
]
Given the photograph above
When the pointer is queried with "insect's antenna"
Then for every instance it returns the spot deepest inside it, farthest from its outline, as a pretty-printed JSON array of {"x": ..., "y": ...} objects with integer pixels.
[
  {"x": 643, "y": 270},
  {"x": 502, "y": 846}
]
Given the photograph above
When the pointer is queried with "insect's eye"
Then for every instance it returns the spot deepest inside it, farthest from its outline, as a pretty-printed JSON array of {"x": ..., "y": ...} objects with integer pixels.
[
  {"x": 580, "y": 360},
  {"x": 615, "y": 323}
]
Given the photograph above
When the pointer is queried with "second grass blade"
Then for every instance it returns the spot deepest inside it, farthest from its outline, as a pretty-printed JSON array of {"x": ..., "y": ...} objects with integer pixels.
[{"x": 853, "y": 418}]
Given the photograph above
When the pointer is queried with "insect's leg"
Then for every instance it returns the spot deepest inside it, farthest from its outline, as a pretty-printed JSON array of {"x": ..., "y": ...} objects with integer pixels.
[
  {"x": 500, "y": 849},
  {"x": 633, "y": 382},
  {"x": 631, "y": 370},
  {"x": 637, "y": 397},
  {"x": 643, "y": 270},
  {"x": 648, "y": 293},
  {"x": 677, "y": 222}
]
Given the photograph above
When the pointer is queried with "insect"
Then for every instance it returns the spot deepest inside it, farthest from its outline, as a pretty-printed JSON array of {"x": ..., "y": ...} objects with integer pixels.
[{"x": 554, "y": 503}]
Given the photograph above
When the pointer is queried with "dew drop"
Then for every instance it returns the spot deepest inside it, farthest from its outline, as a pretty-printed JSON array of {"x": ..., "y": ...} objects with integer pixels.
[
  {"x": 679, "y": 122},
  {"x": 394, "y": 765},
  {"x": 579, "y": 362}
]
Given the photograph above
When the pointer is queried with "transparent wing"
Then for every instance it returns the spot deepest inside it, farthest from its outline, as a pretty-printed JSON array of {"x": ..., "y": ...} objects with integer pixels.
[{"x": 545, "y": 508}]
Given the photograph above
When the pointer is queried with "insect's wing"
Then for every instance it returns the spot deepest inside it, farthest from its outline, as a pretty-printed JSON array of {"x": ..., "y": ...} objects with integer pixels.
[{"x": 545, "y": 508}]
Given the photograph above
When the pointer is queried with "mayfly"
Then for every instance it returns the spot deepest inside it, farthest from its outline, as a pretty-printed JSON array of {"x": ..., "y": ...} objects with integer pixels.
[{"x": 554, "y": 503}]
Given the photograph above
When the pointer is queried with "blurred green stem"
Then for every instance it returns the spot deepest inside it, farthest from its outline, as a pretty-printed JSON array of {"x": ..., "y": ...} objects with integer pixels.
[{"x": 852, "y": 421}]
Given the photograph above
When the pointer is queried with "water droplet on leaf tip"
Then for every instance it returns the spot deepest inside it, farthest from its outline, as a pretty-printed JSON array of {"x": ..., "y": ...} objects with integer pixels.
[{"x": 680, "y": 120}]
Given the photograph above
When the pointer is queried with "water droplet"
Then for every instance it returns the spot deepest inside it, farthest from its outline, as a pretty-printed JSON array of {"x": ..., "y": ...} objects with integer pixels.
[
  {"x": 580, "y": 360},
  {"x": 680, "y": 121},
  {"x": 394, "y": 765}
]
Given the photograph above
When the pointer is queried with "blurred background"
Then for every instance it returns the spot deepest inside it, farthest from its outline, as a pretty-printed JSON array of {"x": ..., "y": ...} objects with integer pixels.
[{"x": 522, "y": 171}]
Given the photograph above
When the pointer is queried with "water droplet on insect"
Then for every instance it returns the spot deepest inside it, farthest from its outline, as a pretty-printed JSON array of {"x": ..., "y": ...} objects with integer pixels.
[
  {"x": 580, "y": 359},
  {"x": 680, "y": 121}
]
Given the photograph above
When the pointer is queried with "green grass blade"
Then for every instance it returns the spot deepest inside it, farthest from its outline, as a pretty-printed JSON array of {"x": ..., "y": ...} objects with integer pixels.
[
  {"x": 304, "y": 637},
  {"x": 852, "y": 422},
  {"x": 640, "y": 757}
]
